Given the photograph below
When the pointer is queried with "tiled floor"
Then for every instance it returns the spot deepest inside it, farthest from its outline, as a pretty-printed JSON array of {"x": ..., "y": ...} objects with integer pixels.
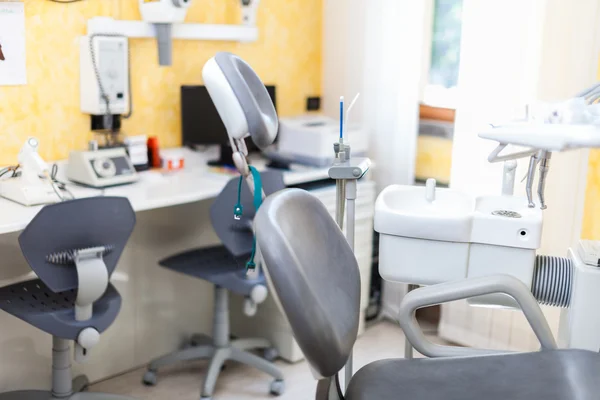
[{"x": 237, "y": 382}]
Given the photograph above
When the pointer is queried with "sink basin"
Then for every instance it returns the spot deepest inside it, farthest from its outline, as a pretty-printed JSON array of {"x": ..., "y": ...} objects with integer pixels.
[
  {"x": 430, "y": 235},
  {"x": 405, "y": 211}
]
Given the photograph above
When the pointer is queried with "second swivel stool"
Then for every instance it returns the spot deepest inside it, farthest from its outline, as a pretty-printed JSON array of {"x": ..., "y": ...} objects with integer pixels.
[{"x": 225, "y": 267}]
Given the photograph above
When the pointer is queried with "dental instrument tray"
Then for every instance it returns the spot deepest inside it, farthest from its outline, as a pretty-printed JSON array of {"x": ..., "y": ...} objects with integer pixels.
[{"x": 549, "y": 137}]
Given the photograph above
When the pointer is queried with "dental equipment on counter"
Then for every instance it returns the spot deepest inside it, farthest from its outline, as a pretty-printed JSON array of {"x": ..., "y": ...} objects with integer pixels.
[
  {"x": 34, "y": 185},
  {"x": 101, "y": 168},
  {"x": 137, "y": 150},
  {"x": 444, "y": 235}
]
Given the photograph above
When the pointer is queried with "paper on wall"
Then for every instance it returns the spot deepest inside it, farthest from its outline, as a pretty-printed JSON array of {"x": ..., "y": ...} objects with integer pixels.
[{"x": 12, "y": 44}]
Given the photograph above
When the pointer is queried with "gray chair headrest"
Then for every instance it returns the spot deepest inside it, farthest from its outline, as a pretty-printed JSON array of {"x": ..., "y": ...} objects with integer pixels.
[
  {"x": 75, "y": 225},
  {"x": 252, "y": 96},
  {"x": 314, "y": 273}
]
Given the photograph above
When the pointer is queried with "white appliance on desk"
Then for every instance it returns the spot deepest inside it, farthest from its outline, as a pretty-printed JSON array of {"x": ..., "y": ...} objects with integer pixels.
[
  {"x": 101, "y": 168},
  {"x": 309, "y": 140},
  {"x": 33, "y": 186}
]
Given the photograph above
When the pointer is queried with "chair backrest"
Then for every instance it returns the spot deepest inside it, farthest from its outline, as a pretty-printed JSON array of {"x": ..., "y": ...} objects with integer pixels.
[
  {"x": 74, "y": 225},
  {"x": 237, "y": 236},
  {"x": 241, "y": 99},
  {"x": 314, "y": 273}
]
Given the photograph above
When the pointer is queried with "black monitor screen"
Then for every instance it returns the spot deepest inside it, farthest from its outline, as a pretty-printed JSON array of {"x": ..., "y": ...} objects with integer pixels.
[{"x": 200, "y": 121}]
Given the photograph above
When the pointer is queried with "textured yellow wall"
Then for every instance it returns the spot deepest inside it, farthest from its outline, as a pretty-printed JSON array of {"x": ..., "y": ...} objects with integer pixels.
[
  {"x": 287, "y": 54},
  {"x": 591, "y": 213},
  {"x": 434, "y": 158}
]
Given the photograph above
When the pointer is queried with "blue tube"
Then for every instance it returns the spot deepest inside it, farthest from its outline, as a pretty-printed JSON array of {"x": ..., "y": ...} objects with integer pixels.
[{"x": 341, "y": 118}]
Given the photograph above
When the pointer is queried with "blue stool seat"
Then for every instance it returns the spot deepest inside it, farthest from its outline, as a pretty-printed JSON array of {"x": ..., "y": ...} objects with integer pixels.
[
  {"x": 217, "y": 266},
  {"x": 54, "y": 313}
]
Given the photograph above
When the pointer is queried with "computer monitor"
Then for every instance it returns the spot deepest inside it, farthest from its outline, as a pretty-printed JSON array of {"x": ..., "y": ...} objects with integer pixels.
[{"x": 202, "y": 125}]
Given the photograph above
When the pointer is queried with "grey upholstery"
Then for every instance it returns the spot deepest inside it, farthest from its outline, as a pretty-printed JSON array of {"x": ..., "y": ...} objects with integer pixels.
[
  {"x": 544, "y": 375},
  {"x": 53, "y": 245},
  {"x": 35, "y": 303},
  {"x": 217, "y": 266},
  {"x": 48, "y": 303},
  {"x": 74, "y": 225},
  {"x": 314, "y": 273},
  {"x": 253, "y": 97},
  {"x": 315, "y": 276},
  {"x": 237, "y": 236}
]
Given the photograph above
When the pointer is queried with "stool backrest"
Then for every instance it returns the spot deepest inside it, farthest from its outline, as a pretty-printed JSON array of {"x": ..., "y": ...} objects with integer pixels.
[
  {"x": 59, "y": 229},
  {"x": 314, "y": 273},
  {"x": 237, "y": 235}
]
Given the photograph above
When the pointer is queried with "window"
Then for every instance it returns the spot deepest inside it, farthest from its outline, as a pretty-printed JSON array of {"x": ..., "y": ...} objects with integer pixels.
[{"x": 440, "y": 90}]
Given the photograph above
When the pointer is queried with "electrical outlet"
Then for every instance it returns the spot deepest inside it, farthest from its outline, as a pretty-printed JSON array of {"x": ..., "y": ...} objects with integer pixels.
[{"x": 313, "y": 103}]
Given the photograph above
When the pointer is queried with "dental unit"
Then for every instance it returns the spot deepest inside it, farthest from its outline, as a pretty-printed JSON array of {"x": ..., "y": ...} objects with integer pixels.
[{"x": 445, "y": 235}]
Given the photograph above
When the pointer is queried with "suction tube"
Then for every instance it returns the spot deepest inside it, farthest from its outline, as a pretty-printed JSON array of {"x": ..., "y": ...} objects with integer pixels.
[
  {"x": 165, "y": 44},
  {"x": 552, "y": 281}
]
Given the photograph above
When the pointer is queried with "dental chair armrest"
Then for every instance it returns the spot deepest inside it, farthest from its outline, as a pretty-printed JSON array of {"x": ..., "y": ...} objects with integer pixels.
[{"x": 463, "y": 289}]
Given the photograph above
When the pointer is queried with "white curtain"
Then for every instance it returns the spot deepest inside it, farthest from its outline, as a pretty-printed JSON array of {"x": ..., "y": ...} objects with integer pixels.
[
  {"x": 514, "y": 52},
  {"x": 375, "y": 47}
]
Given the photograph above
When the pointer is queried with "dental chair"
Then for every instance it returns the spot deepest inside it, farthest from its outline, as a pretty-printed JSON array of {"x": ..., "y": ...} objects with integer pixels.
[
  {"x": 225, "y": 267},
  {"x": 316, "y": 282},
  {"x": 73, "y": 247}
]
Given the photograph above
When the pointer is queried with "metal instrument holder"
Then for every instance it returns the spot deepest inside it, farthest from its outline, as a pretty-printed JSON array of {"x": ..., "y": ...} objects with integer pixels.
[{"x": 346, "y": 171}]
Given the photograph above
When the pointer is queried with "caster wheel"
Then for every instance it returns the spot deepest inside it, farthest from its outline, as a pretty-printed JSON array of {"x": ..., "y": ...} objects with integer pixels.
[
  {"x": 277, "y": 388},
  {"x": 149, "y": 378},
  {"x": 271, "y": 354}
]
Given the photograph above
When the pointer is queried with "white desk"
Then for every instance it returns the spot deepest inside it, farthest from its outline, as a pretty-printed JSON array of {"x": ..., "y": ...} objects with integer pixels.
[
  {"x": 160, "y": 307},
  {"x": 156, "y": 189}
]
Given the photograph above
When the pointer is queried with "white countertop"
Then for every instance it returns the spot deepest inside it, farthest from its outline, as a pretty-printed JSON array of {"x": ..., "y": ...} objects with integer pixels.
[{"x": 155, "y": 189}]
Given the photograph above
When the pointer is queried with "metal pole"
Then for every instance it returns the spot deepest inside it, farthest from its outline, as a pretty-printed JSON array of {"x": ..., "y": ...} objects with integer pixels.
[
  {"x": 340, "y": 185},
  {"x": 350, "y": 228}
]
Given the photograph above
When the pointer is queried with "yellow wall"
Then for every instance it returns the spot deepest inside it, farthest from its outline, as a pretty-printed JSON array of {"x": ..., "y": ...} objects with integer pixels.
[
  {"x": 591, "y": 213},
  {"x": 434, "y": 158},
  {"x": 288, "y": 54}
]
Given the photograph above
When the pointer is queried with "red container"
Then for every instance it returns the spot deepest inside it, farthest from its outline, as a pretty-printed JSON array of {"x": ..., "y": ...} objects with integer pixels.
[{"x": 153, "y": 152}]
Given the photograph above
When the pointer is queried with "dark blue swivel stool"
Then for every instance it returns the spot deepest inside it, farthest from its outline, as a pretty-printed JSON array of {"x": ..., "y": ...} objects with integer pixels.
[
  {"x": 225, "y": 267},
  {"x": 73, "y": 247}
]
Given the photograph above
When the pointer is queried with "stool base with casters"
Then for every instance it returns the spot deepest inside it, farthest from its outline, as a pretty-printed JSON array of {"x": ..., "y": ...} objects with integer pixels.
[
  {"x": 62, "y": 386},
  {"x": 220, "y": 349}
]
